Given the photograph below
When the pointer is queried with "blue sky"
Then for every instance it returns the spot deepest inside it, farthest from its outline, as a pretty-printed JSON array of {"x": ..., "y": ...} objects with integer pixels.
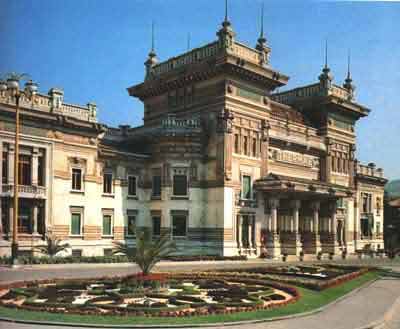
[{"x": 95, "y": 49}]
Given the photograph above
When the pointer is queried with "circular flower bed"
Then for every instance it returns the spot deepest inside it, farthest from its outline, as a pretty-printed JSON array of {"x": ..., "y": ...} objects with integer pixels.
[{"x": 155, "y": 295}]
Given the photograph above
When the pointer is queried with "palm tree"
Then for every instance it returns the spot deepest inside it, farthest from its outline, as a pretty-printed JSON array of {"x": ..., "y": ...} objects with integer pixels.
[
  {"x": 147, "y": 253},
  {"x": 53, "y": 246}
]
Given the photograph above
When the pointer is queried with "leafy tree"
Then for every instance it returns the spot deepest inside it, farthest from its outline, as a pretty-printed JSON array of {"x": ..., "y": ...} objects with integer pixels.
[
  {"x": 147, "y": 252},
  {"x": 53, "y": 246}
]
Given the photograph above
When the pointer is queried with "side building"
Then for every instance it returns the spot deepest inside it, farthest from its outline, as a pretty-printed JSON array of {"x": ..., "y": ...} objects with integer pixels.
[{"x": 223, "y": 163}]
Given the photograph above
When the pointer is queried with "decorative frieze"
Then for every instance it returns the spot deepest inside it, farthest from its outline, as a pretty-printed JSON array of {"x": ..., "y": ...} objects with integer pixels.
[{"x": 296, "y": 158}]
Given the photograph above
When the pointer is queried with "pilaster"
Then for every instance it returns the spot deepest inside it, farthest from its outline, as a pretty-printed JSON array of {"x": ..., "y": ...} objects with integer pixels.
[
  {"x": 273, "y": 242},
  {"x": 316, "y": 206},
  {"x": 296, "y": 205},
  {"x": 35, "y": 165},
  {"x": 333, "y": 227},
  {"x": 11, "y": 151}
]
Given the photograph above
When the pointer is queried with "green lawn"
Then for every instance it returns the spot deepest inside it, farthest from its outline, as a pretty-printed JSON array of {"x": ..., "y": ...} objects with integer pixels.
[{"x": 309, "y": 300}]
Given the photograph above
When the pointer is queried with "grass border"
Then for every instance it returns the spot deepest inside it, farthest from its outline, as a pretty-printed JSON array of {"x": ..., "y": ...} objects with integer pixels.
[{"x": 310, "y": 302}]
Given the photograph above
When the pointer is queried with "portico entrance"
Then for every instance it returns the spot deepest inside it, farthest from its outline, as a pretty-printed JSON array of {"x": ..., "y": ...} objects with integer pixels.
[{"x": 300, "y": 216}]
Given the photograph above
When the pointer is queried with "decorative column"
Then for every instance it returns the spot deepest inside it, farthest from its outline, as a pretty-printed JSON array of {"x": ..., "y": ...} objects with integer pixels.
[
  {"x": 273, "y": 245},
  {"x": 10, "y": 161},
  {"x": 1, "y": 219},
  {"x": 264, "y": 147},
  {"x": 1, "y": 189},
  {"x": 333, "y": 227},
  {"x": 10, "y": 218},
  {"x": 253, "y": 233},
  {"x": 224, "y": 147},
  {"x": 239, "y": 231},
  {"x": 35, "y": 165},
  {"x": 295, "y": 205},
  {"x": 250, "y": 231},
  {"x": 316, "y": 206},
  {"x": 35, "y": 214}
]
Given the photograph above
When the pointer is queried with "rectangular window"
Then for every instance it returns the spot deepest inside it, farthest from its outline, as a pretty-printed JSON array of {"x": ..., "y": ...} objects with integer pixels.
[
  {"x": 340, "y": 203},
  {"x": 76, "y": 222},
  {"x": 131, "y": 225},
  {"x": 156, "y": 225},
  {"x": 24, "y": 170},
  {"x": 76, "y": 253},
  {"x": 246, "y": 187},
  {"x": 254, "y": 148},
  {"x": 107, "y": 183},
  {"x": 236, "y": 143},
  {"x": 76, "y": 179},
  {"x": 131, "y": 185},
  {"x": 156, "y": 186},
  {"x": 107, "y": 225},
  {"x": 180, "y": 185},
  {"x": 107, "y": 252},
  {"x": 179, "y": 226},
  {"x": 5, "y": 168},
  {"x": 41, "y": 166},
  {"x": 245, "y": 145}
]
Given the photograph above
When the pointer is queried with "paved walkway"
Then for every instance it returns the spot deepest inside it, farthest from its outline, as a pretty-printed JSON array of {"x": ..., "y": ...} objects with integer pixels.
[
  {"x": 356, "y": 311},
  {"x": 36, "y": 272}
]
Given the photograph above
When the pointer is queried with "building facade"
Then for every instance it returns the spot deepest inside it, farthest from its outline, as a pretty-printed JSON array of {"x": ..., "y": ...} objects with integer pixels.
[{"x": 223, "y": 163}]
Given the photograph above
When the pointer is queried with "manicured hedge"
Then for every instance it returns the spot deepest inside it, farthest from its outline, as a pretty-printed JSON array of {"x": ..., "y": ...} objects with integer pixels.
[{"x": 108, "y": 259}]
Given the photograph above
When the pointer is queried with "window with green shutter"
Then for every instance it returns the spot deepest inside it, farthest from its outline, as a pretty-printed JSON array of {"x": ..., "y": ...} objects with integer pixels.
[
  {"x": 246, "y": 187},
  {"x": 75, "y": 224},
  {"x": 156, "y": 225},
  {"x": 107, "y": 220},
  {"x": 179, "y": 226}
]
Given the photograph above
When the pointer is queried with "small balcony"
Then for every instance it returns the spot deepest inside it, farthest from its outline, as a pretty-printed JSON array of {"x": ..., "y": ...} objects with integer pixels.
[
  {"x": 24, "y": 191},
  {"x": 248, "y": 203}
]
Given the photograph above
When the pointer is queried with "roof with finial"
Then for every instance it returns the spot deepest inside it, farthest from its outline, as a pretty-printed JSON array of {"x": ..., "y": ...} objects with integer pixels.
[
  {"x": 152, "y": 52},
  {"x": 348, "y": 82},
  {"x": 229, "y": 54},
  {"x": 262, "y": 40},
  {"x": 326, "y": 71}
]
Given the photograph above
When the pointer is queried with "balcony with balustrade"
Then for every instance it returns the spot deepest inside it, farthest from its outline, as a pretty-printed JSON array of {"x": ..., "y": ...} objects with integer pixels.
[{"x": 24, "y": 191}]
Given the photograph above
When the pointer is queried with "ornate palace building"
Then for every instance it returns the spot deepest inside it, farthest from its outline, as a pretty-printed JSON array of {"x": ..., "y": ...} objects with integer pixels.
[{"x": 223, "y": 163}]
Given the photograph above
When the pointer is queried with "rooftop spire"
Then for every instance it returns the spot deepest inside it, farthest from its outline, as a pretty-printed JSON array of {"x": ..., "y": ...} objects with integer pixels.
[
  {"x": 152, "y": 38},
  {"x": 226, "y": 11},
  {"x": 326, "y": 53},
  {"x": 348, "y": 82},
  {"x": 188, "y": 41},
  {"x": 152, "y": 57},
  {"x": 326, "y": 77},
  {"x": 348, "y": 65},
  {"x": 226, "y": 34},
  {"x": 262, "y": 21},
  {"x": 262, "y": 41}
]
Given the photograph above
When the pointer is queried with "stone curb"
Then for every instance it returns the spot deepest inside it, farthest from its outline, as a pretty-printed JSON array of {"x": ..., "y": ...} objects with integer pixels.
[{"x": 205, "y": 325}]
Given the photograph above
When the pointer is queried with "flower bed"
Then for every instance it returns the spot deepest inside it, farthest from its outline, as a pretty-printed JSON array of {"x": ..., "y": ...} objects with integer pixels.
[
  {"x": 323, "y": 276},
  {"x": 155, "y": 295}
]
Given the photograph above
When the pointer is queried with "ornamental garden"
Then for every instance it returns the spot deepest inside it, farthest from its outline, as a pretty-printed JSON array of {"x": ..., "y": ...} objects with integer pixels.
[{"x": 179, "y": 295}]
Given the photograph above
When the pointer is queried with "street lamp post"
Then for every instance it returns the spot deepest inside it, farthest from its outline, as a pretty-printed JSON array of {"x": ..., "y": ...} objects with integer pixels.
[{"x": 11, "y": 87}]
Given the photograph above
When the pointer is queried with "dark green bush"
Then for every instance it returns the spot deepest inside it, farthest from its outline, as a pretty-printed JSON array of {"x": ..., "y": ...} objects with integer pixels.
[{"x": 104, "y": 259}]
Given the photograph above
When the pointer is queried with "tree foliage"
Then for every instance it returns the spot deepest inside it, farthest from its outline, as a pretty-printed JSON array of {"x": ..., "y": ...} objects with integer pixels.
[
  {"x": 53, "y": 246},
  {"x": 147, "y": 252}
]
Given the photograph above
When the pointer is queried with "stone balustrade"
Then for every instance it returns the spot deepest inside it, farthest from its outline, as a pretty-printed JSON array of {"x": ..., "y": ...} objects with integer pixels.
[
  {"x": 53, "y": 103},
  {"x": 28, "y": 191},
  {"x": 246, "y": 53},
  {"x": 369, "y": 170},
  {"x": 210, "y": 50},
  {"x": 171, "y": 122},
  {"x": 291, "y": 96},
  {"x": 194, "y": 56}
]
